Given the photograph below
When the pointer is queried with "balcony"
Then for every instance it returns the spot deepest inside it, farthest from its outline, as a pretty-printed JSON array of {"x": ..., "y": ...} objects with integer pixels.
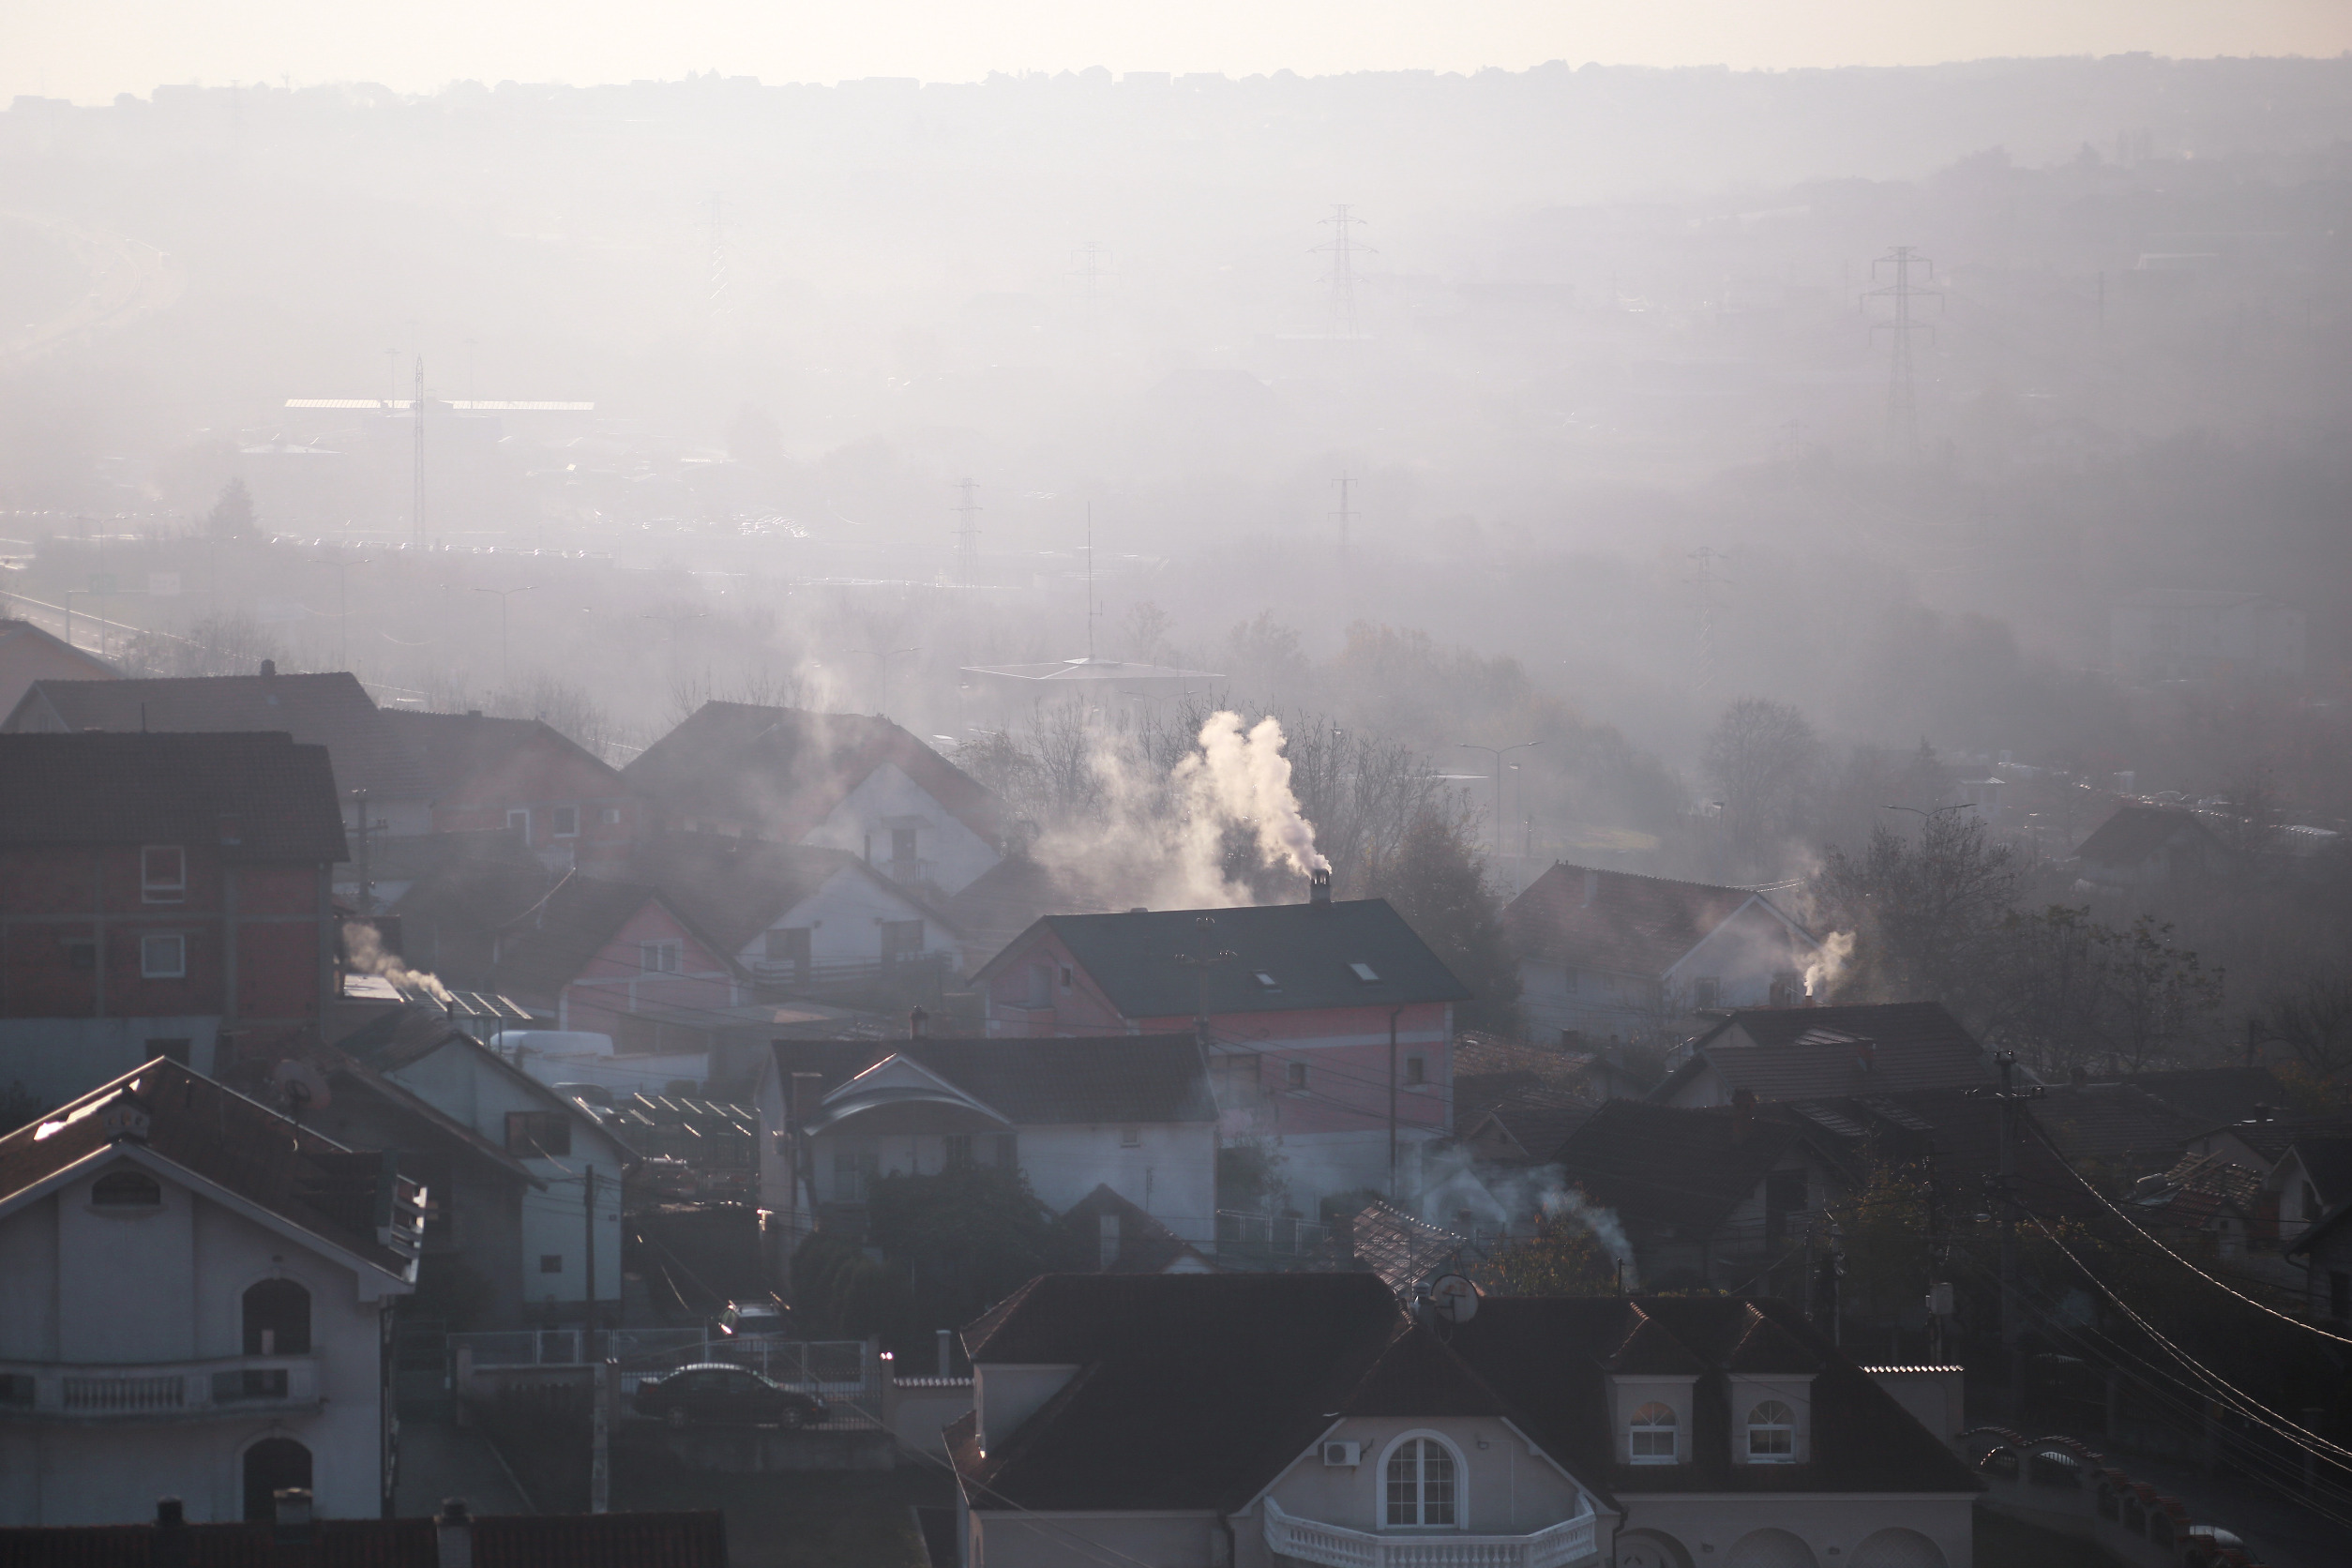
[
  {"x": 153, "y": 1390},
  {"x": 1565, "y": 1544}
]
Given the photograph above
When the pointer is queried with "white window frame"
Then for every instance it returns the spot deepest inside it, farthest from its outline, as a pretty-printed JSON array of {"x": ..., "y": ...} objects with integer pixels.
[
  {"x": 157, "y": 890},
  {"x": 1636, "y": 1429},
  {"x": 1420, "y": 1485},
  {"x": 1784, "y": 1428},
  {"x": 148, "y": 968},
  {"x": 523, "y": 812},
  {"x": 666, "y": 955}
]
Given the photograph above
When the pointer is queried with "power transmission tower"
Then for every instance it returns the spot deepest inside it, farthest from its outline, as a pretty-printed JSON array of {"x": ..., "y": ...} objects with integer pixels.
[
  {"x": 1343, "y": 250},
  {"x": 1345, "y": 515},
  {"x": 416, "y": 456},
  {"x": 1090, "y": 269},
  {"x": 1902, "y": 398},
  {"x": 967, "y": 535}
]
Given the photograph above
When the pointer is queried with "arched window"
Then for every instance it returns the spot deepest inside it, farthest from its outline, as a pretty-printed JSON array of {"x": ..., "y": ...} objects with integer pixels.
[
  {"x": 126, "y": 1189},
  {"x": 1771, "y": 1433},
  {"x": 276, "y": 1319},
  {"x": 1652, "y": 1437},
  {"x": 1420, "y": 1485},
  {"x": 272, "y": 1465}
]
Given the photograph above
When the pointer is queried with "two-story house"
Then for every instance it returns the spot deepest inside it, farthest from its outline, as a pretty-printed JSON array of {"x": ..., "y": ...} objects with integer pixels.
[
  {"x": 332, "y": 710},
  {"x": 1129, "y": 1113},
  {"x": 1260, "y": 1421},
  {"x": 1329, "y": 1024},
  {"x": 161, "y": 894},
  {"x": 1609, "y": 954},
  {"x": 196, "y": 1296},
  {"x": 566, "y": 805},
  {"x": 2152, "y": 845},
  {"x": 847, "y": 782},
  {"x": 550, "y": 1245}
]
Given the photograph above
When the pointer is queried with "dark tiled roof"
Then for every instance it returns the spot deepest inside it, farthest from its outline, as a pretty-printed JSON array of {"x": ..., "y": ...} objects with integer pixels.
[
  {"x": 310, "y": 1182},
  {"x": 330, "y": 710},
  {"x": 681, "y": 1540},
  {"x": 1145, "y": 1245},
  {"x": 1306, "y": 949},
  {"x": 1669, "y": 1165},
  {"x": 1035, "y": 1083},
  {"x": 541, "y": 950},
  {"x": 452, "y": 749},
  {"x": 2213, "y": 1094},
  {"x": 1825, "y": 1071},
  {"x": 1621, "y": 922},
  {"x": 780, "y": 771},
  {"x": 276, "y": 798},
  {"x": 2116, "y": 1124},
  {"x": 1888, "y": 1023},
  {"x": 735, "y": 888},
  {"x": 1535, "y": 1095},
  {"x": 2137, "y": 832}
]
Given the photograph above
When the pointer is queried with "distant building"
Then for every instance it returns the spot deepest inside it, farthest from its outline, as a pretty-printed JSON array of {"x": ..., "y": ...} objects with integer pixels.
[
  {"x": 161, "y": 894},
  {"x": 1611, "y": 953},
  {"x": 844, "y": 781},
  {"x": 28, "y": 653},
  {"x": 1323, "y": 1020},
  {"x": 1811, "y": 1054},
  {"x": 2203, "y": 634},
  {"x": 184, "y": 1315},
  {"x": 2152, "y": 845},
  {"x": 566, "y": 805}
]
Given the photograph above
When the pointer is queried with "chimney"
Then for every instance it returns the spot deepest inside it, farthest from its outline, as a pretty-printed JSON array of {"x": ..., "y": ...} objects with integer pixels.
[
  {"x": 946, "y": 1352},
  {"x": 291, "y": 1510},
  {"x": 1866, "y": 1055},
  {"x": 453, "y": 1535},
  {"x": 1591, "y": 887},
  {"x": 918, "y": 1025},
  {"x": 1319, "y": 886},
  {"x": 269, "y": 670},
  {"x": 1743, "y": 1113},
  {"x": 1111, "y": 1239},
  {"x": 170, "y": 1547}
]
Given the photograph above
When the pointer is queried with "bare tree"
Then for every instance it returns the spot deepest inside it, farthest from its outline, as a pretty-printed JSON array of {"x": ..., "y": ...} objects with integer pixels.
[
  {"x": 1765, "y": 758},
  {"x": 1928, "y": 914},
  {"x": 2315, "y": 1021}
]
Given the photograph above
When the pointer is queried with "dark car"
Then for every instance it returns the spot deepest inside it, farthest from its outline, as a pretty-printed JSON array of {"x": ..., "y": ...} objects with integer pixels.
[{"x": 715, "y": 1392}]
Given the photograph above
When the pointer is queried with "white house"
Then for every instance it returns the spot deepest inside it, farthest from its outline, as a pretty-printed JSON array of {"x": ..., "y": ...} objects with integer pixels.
[
  {"x": 570, "y": 1225},
  {"x": 1607, "y": 953},
  {"x": 1132, "y": 1113},
  {"x": 195, "y": 1297},
  {"x": 1263, "y": 1419}
]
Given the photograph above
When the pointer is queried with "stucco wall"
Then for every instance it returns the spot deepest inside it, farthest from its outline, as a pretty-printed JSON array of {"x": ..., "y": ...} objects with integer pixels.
[
  {"x": 1087, "y": 1541},
  {"x": 1711, "y": 1528},
  {"x": 952, "y": 854},
  {"x": 1503, "y": 1489}
]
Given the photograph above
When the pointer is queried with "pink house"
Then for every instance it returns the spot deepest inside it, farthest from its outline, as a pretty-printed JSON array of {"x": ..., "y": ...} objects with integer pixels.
[
  {"x": 616, "y": 959},
  {"x": 1329, "y": 1025}
]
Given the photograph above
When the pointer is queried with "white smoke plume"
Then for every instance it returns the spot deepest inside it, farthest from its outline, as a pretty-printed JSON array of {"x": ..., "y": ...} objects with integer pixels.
[
  {"x": 1238, "y": 777},
  {"x": 1569, "y": 1203},
  {"x": 367, "y": 957},
  {"x": 1837, "y": 950}
]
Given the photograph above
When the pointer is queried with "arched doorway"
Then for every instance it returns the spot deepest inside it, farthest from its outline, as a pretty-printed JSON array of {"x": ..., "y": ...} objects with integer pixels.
[
  {"x": 271, "y": 1465},
  {"x": 1648, "y": 1548},
  {"x": 276, "y": 1319},
  {"x": 1768, "y": 1549},
  {"x": 1897, "y": 1549}
]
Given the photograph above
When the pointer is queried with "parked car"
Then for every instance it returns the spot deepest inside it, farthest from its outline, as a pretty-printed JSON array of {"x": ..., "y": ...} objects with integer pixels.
[
  {"x": 751, "y": 1319},
  {"x": 713, "y": 1392}
]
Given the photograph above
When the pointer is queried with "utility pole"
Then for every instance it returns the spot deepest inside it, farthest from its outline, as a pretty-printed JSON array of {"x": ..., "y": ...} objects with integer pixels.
[
  {"x": 1345, "y": 515},
  {"x": 417, "y": 476},
  {"x": 1499, "y": 753},
  {"x": 1205, "y": 958},
  {"x": 1901, "y": 399},
  {"x": 2012, "y": 1329},
  {"x": 504, "y": 685},
  {"x": 967, "y": 535},
  {"x": 1343, "y": 250}
]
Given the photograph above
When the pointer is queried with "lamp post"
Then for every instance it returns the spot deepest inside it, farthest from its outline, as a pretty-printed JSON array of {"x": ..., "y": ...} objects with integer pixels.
[
  {"x": 1499, "y": 753},
  {"x": 502, "y": 593}
]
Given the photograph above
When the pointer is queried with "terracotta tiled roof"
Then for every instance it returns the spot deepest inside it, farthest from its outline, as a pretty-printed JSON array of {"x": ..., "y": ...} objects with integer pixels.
[
  {"x": 1402, "y": 1250},
  {"x": 330, "y": 710},
  {"x": 1620, "y": 923},
  {"x": 255, "y": 796}
]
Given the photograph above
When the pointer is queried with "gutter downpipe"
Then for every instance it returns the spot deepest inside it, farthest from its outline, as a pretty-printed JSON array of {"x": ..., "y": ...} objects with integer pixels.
[{"x": 1392, "y": 1015}]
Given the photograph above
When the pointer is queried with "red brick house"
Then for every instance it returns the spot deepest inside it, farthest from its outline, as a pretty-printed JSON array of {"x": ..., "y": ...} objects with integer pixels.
[
  {"x": 566, "y": 802},
  {"x": 161, "y": 894}
]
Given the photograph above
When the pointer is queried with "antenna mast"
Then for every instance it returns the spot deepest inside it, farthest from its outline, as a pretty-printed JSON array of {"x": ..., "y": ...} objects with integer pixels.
[
  {"x": 417, "y": 455},
  {"x": 1902, "y": 398},
  {"x": 967, "y": 535}
]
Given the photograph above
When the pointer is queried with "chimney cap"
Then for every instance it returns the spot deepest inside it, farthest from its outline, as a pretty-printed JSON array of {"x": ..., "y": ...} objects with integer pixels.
[
  {"x": 453, "y": 1510},
  {"x": 1318, "y": 885},
  {"x": 918, "y": 1025},
  {"x": 170, "y": 1513},
  {"x": 269, "y": 667}
]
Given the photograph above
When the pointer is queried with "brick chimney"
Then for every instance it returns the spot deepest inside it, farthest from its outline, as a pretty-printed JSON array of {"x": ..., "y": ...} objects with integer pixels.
[
  {"x": 170, "y": 1547},
  {"x": 1319, "y": 887},
  {"x": 918, "y": 1025},
  {"x": 453, "y": 1535}
]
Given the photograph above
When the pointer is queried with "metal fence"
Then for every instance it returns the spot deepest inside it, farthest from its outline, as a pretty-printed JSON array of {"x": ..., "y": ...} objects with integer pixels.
[
  {"x": 843, "y": 1372},
  {"x": 1272, "y": 1235}
]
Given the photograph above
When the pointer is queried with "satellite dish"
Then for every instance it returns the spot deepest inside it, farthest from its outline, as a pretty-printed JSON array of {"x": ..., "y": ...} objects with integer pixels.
[
  {"x": 302, "y": 1086},
  {"x": 1453, "y": 1298}
]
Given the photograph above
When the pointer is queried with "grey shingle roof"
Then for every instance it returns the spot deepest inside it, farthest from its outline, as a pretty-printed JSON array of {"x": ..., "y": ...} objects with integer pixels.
[
  {"x": 451, "y": 749},
  {"x": 2137, "y": 832},
  {"x": 1813, "y": 1071},
  {"x": 1669, "y": 1165},
  {"x": 1889, "y": 1023},
  {"x": 330, "y": 710},
  {"x": 541, "y": 951},
  {"x": 276, "y": 800},
  {"x": 1307, "y": 950},
  {"x": 1620, "y": 923},
  {"x": 1115, "y": 1079}
]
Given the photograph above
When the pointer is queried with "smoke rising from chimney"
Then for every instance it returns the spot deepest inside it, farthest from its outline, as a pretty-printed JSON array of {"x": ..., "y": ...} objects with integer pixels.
[{"x": 365, "y": 946}]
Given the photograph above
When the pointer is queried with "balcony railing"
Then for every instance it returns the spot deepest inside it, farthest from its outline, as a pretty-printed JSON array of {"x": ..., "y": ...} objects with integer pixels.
[
  {"x": 1567, "y": 1543},
  {"x": 233, "y": 1385}
]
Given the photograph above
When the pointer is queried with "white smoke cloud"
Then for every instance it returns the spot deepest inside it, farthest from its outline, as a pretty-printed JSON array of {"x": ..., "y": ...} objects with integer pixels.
[
  {"x": 1239, "y": 777},
  {"x": 367, "y": 957},
  {"x": 1569, "y": 1203},
  {"x": 1837, "y": 950}
]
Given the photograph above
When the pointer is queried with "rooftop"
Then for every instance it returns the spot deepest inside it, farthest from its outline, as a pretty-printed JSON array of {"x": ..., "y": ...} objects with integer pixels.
[
  {"x": 1116, "y": 1078},
  {"x": 453, "y": 750},
  {"x": 1620, "y": 923},
  {"x": 254, "y": 796}
]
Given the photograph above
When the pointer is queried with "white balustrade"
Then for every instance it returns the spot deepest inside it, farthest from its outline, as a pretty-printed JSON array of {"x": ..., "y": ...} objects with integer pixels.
[
  {"x": 152, "y": 1391},
  {"x": 1569, "y": 1542}
]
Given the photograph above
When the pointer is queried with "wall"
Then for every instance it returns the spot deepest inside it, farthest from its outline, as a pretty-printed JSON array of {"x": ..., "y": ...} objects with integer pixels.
[
  {"x": 844, "y": 919},
  {"x": 615, "y": 981},
  {"x": 952, "y": 856},
  {"x": 539, "y": 773},
  {"x": 61, "y": 1059},
  {"x": 1504, "y": 1489},
  {"x": 1091, "y": 1540},
  {"x": 1006, "y": 1396},
  {"x": 1834, "y": 1528}
]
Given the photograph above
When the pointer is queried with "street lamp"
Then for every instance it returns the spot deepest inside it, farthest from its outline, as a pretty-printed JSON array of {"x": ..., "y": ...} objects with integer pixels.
[
  {"x": 1499, "y": 753},
  {"x": 502, "y": 593}
]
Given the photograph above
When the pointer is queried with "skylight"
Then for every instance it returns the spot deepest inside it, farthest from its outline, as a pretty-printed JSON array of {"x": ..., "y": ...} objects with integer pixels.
[
  {"x": 1365, "y": 971},
  {"x": 1268, "y": 981}
]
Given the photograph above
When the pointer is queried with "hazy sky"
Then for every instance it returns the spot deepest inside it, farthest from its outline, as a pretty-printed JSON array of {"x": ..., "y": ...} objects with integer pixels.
[{"x": 90, "y": 50}]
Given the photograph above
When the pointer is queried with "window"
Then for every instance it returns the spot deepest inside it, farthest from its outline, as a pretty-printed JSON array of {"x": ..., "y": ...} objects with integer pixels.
[
  {"x": 612, "y": 816},
  {"x": 277, "y": 1318},
  {"x": 901, "y": 938},
  {"x": 126, "y": 1189},
  {"x": 1364, "y": 972},
  {"x": 272, "y": 1466},
  {"x": 1067, "y": 977},
  {"x": 564, "y": 822},
  {"x": 163, "y": 874},
  {"x": 1651, "y": 1441},
  {"x": 1130, "y": 1138},
  {"x": 1771, "y": 1433},
  {"x": 551, "y": 1262},
  {"x": 539, "y": 1133},
  {"x": 1705, "y": 991},
  {"x": 657, "y": 958},
  {"x": 902, "y": 844},
  {"x": 790, "y": 945},
  {"x": 519, "y": 822},
  {"x": 1296, "y": 1074},
  {"x": 959, "y": 1151},
  {"x": 1416, "y": 1070},
  {"x": 1267, "y": 982},
  {"x": 163, "y": 957},
  {"x": 1420, "y": 1485}
]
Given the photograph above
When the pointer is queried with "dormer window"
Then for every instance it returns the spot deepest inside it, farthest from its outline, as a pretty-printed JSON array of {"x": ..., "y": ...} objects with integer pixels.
[
  {"x": 1652, "y": 1435},
  {"x": 1771, "y": 1433},
  {"x": 1419, "y": 1486}
]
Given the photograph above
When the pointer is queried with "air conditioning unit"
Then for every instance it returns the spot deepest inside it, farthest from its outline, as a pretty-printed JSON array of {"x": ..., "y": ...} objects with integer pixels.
[{"x": 1343, "y": 1454}]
